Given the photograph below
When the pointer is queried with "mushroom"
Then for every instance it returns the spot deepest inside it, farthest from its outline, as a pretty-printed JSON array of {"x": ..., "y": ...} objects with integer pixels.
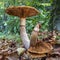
[{"x": 22, "y": 12}]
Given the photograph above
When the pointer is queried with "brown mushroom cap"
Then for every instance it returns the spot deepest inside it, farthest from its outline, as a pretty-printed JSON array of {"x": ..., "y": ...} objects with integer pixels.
[
  {"x": 22, "y": 11},
  {"x": 41, "y": 48}
]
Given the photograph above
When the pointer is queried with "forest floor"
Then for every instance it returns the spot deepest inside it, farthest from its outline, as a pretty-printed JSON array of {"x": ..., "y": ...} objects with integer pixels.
[
  {"x": 8, "y": 52},
  {"x": 9, "y": 44}
]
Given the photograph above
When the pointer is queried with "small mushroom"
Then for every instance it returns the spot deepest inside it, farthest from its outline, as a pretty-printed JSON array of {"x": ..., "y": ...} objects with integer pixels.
[{"x": 23, "y": 12}]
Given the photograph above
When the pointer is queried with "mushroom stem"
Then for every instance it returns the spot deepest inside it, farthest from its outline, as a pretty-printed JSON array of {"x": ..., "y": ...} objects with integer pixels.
[
  {"x": 34, "y": 35},
  {"x": 23, "y": 33}
]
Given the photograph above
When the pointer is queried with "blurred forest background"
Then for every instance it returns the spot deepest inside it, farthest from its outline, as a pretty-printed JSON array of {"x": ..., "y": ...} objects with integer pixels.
[{"x": 10, "y": 26}]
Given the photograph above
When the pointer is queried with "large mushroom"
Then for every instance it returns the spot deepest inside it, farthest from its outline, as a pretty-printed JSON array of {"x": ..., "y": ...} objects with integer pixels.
[{"x": 22, "y": 12}]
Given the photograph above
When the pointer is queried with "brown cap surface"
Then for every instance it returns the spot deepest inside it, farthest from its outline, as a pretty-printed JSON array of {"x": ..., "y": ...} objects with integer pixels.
[
  {"x": 22, "y": 11},
  {"x": 41, "y": 48}
]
